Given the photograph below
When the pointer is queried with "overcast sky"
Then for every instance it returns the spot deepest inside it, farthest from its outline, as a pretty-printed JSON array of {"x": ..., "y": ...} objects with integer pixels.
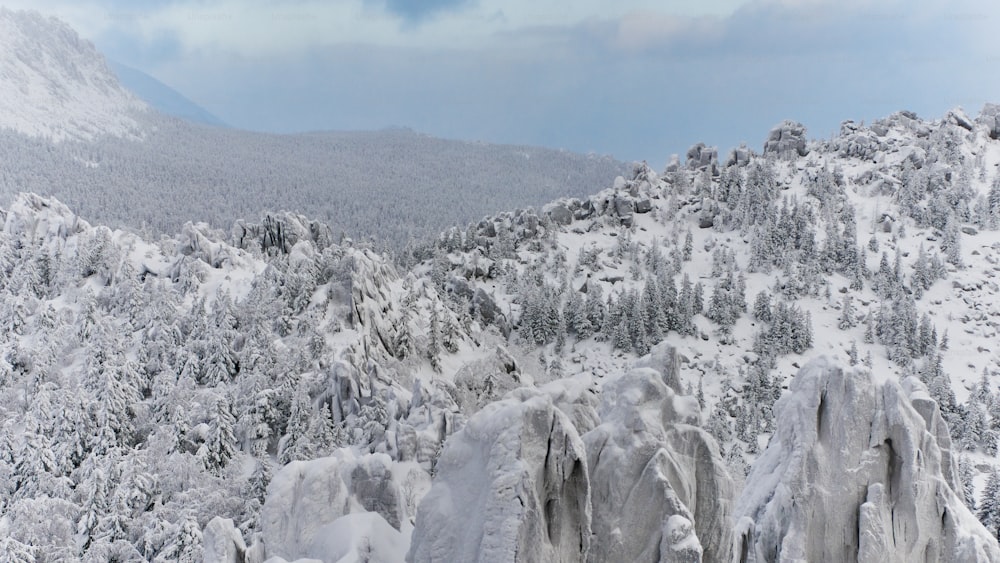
[{"x": 638, "y": 79}]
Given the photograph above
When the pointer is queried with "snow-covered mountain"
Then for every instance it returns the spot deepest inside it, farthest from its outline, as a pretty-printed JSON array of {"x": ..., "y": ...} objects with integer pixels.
[
  {"x": 70, "y": 129},
  {"x": 785, "y": 355},
  {"x": 55, "y": 85}
]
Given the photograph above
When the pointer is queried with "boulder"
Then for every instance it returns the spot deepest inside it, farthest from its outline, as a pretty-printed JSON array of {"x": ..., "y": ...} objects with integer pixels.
[
  {"x": 460, "y": 287},
  {"x": 559, "y": 213},
  {"x": 585, "y": 211},
  {"x": 958, "y": 117},
  {"x": 624, "y": 208}
]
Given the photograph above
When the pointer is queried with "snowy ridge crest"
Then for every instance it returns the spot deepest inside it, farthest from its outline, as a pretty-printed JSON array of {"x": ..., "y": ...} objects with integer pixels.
[{"x": 55, "y": 85}]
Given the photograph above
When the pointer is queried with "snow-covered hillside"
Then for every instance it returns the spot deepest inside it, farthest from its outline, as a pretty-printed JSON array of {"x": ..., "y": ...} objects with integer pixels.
[
  {"x": 56, "y": 86},
  {"x": 627, "y": 376},
  {"x": 69, "y": 129}
]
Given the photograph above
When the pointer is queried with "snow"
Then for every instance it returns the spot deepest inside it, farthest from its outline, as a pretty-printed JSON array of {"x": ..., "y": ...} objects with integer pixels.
[
  {"x": 363, "y": 537},
  {"x": 55, "y": 85}
]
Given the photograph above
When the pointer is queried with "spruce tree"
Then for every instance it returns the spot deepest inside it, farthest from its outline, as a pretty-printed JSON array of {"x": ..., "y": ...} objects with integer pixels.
[
  {"x": 989, "y": 504},
  {"x": 847, "y": 314},
  {"x": 965, "y": 475}
]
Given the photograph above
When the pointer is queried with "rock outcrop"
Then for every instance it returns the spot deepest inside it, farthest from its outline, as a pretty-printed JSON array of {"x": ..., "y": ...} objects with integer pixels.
[
  {"x": 660, "y": 491},
  {"x": 701, "y": 157},
  {"x": 787, "y": 140},
  {"x": 857, "y": 471},
  {"x": 990, "y": 118},
  {"x": 279, "y": 233},
  {"x": 510, "y": 486},
  {"x": 307, "y": 503},
  {"x": 643, "y": 484},
  {"x": 223, "y": 542},
  {"x": 740, "y": 156}
]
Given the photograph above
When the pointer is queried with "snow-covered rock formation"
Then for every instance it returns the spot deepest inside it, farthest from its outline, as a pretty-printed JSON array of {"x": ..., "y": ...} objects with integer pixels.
[
  {"x": 660, "y": 490},
  {"x": 306, "y": 498},
  {"x": 223, "y": 542},
  {"x": 857, "y": 471},
  {"x": 329, "y": 509},
  {"x": 54, "y": 84},
  {"x": 787, "y": 140},
  {"x": 519, "y": 484},
  {"x": 511, "y": 486}
]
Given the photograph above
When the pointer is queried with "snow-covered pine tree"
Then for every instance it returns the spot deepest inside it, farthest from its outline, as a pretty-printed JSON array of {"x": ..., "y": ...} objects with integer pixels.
[{"x": 989, "y": 504}]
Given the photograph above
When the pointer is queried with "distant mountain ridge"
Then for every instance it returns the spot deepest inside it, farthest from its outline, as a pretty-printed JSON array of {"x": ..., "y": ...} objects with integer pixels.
[
  {"x": 161, "y": 97},
  {"x": 55, "y": 85},
  {"x": 393, "y": 185}
]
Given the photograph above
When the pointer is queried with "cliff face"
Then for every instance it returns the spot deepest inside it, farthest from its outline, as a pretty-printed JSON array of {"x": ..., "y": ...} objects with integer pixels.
[{"x": 857, "y": 471}]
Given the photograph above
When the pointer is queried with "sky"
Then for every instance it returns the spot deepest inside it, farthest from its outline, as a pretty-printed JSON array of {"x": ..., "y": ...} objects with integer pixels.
[{"x": 636, "y": 79}]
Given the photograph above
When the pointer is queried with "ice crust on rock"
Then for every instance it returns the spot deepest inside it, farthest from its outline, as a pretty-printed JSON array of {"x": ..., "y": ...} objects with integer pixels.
[
  {"x": 660, "y": 490},
  {"x": 644, "y": 483},
  {"x": 307, "y": 502},
  {"x": 510, "y": 486},
  {"x": 857, "y": 471}
]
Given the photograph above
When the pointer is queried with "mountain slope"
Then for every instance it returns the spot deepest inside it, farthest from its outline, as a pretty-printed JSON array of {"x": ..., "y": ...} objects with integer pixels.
[
  {"x": 393, "y": 185},
  {"x": 68, "y": 129},
  {"x": 616, "y": 362},
  {"x": 56, "y": 86},
  {"x": 161, "y": 97},
  {"x": 599, "y": 377}
]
